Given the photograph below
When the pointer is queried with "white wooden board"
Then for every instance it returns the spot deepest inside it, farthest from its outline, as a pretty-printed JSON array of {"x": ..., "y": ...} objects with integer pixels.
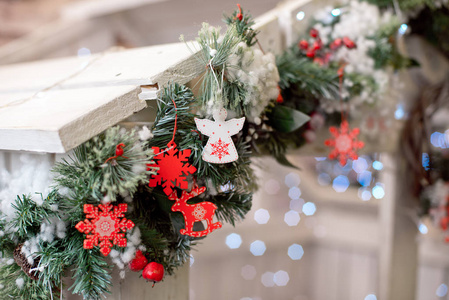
[{"x": 58, "y": 120}]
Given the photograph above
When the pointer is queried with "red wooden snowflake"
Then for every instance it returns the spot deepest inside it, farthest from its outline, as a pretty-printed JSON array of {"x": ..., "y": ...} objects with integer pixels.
[
  {"x": 344, "y": 142},
  {"x": 106, "y": 224},
  {"x": 220, "y": 149},
  {"x": 173, "y": 168}
]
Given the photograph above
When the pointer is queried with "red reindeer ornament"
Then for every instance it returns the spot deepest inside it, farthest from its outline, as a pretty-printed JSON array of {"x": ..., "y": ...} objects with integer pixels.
[{"x": 195, "y": 212}]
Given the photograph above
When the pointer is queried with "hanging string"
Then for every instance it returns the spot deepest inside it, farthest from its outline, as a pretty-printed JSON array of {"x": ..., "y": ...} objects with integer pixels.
[{"x": 176, "y": 123}]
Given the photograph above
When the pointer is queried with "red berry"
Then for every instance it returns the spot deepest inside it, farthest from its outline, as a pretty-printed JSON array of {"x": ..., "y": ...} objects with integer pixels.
[
  {"x": 336, "y": 44},
  {"x": 138, "y": 263},
  {"x": 317, "y": 45},
  {"x": 303, "y": 44},
  {"x": 310, "y": 53},
  {"x": 239, "y": 16},
  {"x": 154, "y": 272},
  {"x": 119, "y": 149},
  {"x": 349, "y": 43},
  {"x": 314, "y": 33}
]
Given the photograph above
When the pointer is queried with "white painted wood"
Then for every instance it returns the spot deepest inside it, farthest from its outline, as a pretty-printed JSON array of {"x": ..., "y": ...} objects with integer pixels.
[
  {"x": 88, "y": 9},
  {"x": 57, "y": 121}
]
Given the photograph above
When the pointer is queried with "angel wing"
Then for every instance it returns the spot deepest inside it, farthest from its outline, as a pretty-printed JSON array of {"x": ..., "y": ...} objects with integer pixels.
[
  {"x": 235, "y": 125},
  {"x": 205, "y": 126}
]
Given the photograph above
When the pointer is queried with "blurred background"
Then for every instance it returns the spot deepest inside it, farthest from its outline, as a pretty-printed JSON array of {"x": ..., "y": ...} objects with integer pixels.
[{"x": 317, "y": 233}]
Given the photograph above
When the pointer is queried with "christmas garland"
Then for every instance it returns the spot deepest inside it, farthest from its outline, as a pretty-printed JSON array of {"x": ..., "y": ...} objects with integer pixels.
[{"x": 123, "y": 194}]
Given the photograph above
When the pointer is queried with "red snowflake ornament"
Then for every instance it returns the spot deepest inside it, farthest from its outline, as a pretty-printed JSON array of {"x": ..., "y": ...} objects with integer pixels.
[
  {"x": 173, "y": 168},
  {"x": 106, "y": 224},
  {"x": 195, "y": 212},
  {"x": 344, "y": 142},
  {"x": 220, "y": 149}
]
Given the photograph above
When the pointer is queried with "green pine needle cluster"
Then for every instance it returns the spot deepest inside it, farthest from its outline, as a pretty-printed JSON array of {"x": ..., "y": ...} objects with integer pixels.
[{"x": 243, "y": 26}]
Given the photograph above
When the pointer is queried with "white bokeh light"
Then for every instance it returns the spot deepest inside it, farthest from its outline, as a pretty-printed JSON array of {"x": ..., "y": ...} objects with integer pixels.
[
  {"x": 441, "y": 290},
  {"x": 268, "y": 279},
  {"x": 272, "y": 187},
  {"x": 309, "y": 208},
  {"x": 295, "y": 252},
  {"x": 261, "y": 216},
  {"x": 257, "y": 248},
  {"x": 233, "y": 240},
  {"x": 294, "y": 192},
  {"x": 292, "y": 218},
  {"x": 292, "y": 179},
  {"x": 378, "y": 191},
  {"x": 297, "y": 204},
  {"x": 281, "y": 278},
  {"x": 371, "y": 297}
]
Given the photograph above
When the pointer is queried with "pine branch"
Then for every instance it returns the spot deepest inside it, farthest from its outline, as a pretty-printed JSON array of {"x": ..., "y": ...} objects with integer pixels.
[
  {"x": 231, "y": 207},
  {"x": 91, "y": 272},
  {"x": 92, "y": 168},
  {"x": 306, "y": 75},
  {"x": 243, "y": 22}
]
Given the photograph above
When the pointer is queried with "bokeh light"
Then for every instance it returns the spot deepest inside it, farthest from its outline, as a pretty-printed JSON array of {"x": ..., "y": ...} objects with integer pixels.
[
  {"x": 378, "y": 191},
  {"x": 371, "y": 297},
  {"x": 441, "y": 290},
  {"x": 292, "y": 218},
  {"x": 294, "y": 193},
  {"x": 268, "y": 279},
  {"x": 309, "y": 208},
  {"x": 295, "y": 252},
  {"x": 300, "y": 15},
  {"x": 261, "y": 216},
  {"x": 360, "y": 165},
  {"x": 324, "y": 179},
  {"x": 192, "y": 259},
  {"x": 423, "y": 228},
  {"x": 364, "y": 194},
  {"x": 377, "y": 165},
  {"x": 272, "y": 187},
  {"x": 292, "y": 179},
  {"x": 364, "y": 178},
  {"x": 84, "y": 52},
  {"x": 233, "y": 240},
  {"x": 248, "y": 272},
  {"x": 297, "y": 204},
  {"x": 257, "y": 248},
  {"x": 340, "y": 183},
  {"x": 281, "y": 278}
]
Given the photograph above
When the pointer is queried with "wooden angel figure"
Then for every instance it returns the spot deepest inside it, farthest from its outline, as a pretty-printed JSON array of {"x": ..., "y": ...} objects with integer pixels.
[{"x": 220, "y": 148}]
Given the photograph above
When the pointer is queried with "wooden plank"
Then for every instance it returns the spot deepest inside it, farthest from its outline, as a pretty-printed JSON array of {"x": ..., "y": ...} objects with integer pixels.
[{"x": 59, "y": 120}]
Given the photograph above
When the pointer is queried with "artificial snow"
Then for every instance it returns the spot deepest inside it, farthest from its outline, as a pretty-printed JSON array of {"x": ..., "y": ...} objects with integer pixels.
[{"x": 20, "y": 282}]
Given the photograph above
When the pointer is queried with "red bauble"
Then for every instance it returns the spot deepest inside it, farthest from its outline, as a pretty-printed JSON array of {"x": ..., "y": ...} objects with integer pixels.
[
  {"x": 303, "y": 44},
  {"x": 139, "y": 262},
  {"x": 349, "y": 43},
  {"x": 154, "y": 272},
  {"x": 313, "y": 33},
  {"x": 310, "y": 53}
]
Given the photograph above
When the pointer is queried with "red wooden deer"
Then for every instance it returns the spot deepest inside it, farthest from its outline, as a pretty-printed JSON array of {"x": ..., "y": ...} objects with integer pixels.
[{"x": 195, "y": 212}]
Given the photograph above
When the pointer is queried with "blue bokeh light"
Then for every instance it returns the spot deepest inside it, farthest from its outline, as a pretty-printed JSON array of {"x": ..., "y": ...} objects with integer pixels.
[
  {"x": 257, "y": 248},
  {"x": 233, "y": 240},
  {"x": 371, "y": 297},
  {"x": 378, "y": 191},
  {"x": 423, "y": 228},
  {"x": 403, "y": 29},
  {"x": 364, "y": 178},
  {"x": 309, "y": 208},
  {"x": 295, "y": 252},
  {"x": 336, "y": 12},
  {"x": 441, "y": 290},
  {"x": 377, "y": 165},
  {"x": 341, "y": 183}
]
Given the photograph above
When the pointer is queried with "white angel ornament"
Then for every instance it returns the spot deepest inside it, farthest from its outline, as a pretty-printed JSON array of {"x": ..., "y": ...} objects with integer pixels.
[{"x": 220, "y": 148}]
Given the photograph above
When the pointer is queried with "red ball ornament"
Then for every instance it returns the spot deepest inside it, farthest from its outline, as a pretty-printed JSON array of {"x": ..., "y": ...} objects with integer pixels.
[
  {"x": 310, "y": 53},
  {"x": 154, "y": 272},
  {"x": 303, "y": 45},
  {"x": 139, "y": 262},
  {"x": 349, "y": 43},
  {"x": 314, "y": 33}
]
